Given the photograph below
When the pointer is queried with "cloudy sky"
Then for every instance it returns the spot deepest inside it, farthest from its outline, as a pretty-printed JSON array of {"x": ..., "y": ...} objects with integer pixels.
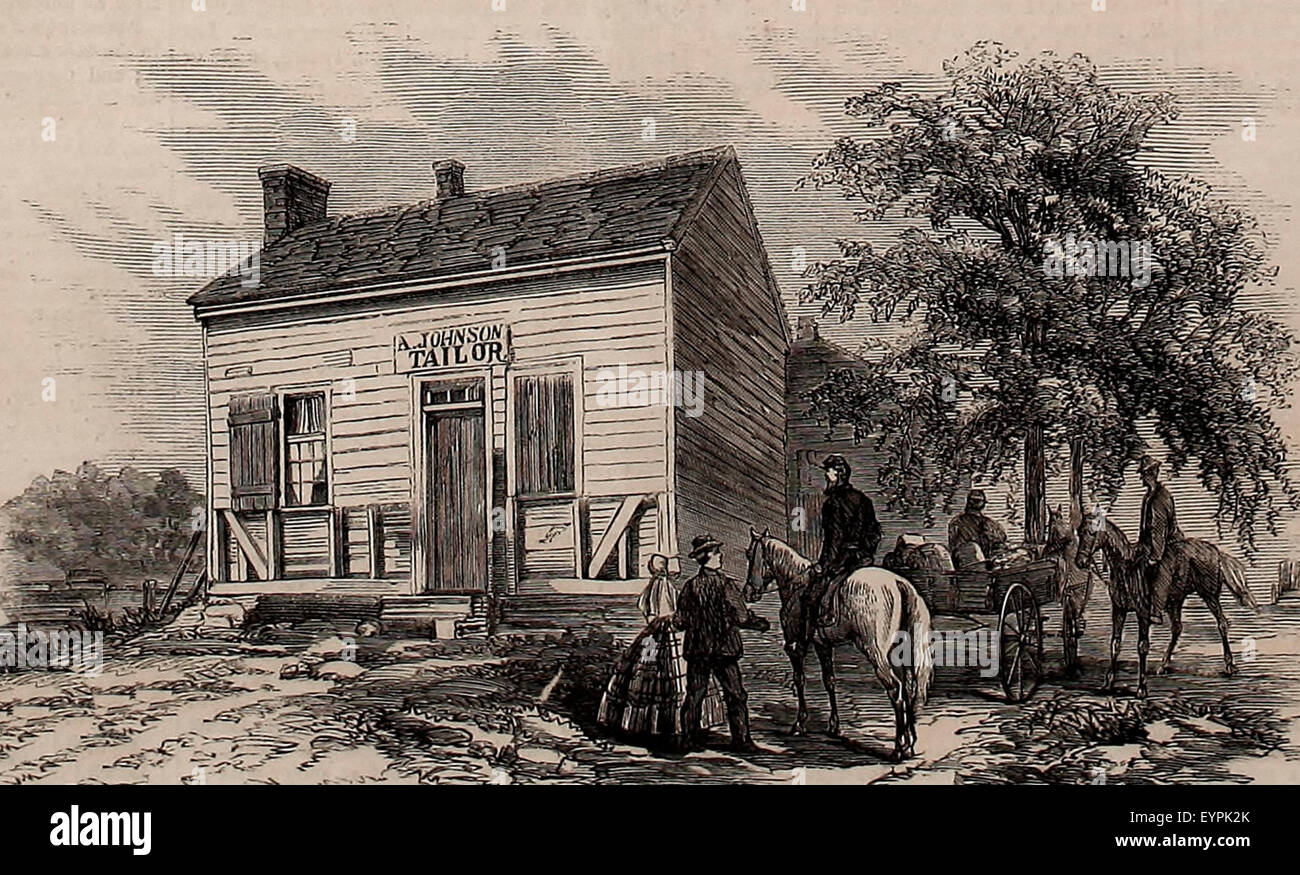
[{"x": 162, "y": 113}]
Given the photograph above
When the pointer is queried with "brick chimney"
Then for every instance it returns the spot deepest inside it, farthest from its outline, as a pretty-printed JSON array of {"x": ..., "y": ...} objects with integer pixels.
[
  {"x": 450, "y": 175},
  {"x": 291, "y": 198}
]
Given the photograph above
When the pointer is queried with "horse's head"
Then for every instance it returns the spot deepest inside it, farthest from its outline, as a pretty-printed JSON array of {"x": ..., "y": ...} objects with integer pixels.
[
  {"x": 759, "y": 573},
  {"x": 1090, "y": 531},
  {"x": 1059, "y": 531}
]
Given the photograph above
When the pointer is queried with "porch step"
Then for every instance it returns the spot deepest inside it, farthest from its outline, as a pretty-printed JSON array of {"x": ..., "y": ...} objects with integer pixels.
[
  {"x": 441, "y": 616},
  {"x": 296, "y": 607},
  {"x": 615, "y": 614}
]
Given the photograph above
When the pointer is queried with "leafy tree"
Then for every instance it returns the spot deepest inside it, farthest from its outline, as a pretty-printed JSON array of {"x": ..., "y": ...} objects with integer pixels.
[
  {"x": 123, "y": 524},
  {"x": 1002, "y": 359}
]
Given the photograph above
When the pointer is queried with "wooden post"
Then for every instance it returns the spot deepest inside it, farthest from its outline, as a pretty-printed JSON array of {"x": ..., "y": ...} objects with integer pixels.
[
  {"x": 148, "y": 597},
  {"x": 375, "y": 541},
  {"x": 337, "y": 544},
  {"x": 624, "y": 548},
  {"x": 1286, "y": 578},
  {"x": 274, "y": 553},
  {"x": 219, "y": 566},
  {"x": 582, "y": 542}
]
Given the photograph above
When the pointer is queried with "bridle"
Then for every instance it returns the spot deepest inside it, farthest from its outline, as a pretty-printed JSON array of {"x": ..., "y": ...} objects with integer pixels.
[{"x": 758, "y": 553}]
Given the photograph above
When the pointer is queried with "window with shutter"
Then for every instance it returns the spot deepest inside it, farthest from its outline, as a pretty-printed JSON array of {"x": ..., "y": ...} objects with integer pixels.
[
  {"x": 254, "y": 451},
  {"x": 544, "y": 438}
]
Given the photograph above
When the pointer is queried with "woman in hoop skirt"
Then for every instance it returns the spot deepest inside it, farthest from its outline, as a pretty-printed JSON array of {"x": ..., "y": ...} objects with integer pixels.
[{"x": 643, "y": 699}]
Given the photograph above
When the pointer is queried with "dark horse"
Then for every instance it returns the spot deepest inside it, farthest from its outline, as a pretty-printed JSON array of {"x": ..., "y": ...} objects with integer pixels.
[
  {"x": 1073, "y": 580},
  {"x": 1196, "y": 566},
  {"x": 875, "y": 610}
]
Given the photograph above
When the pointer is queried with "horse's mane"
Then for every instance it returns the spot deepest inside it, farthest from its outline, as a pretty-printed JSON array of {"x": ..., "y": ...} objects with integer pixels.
[
  {"x": 784, "y": 559},
  {"x": 1119, "y": 540}
]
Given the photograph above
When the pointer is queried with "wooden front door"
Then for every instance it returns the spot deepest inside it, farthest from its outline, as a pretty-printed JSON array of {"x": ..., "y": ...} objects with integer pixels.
[{"x": 456, "y": 489}]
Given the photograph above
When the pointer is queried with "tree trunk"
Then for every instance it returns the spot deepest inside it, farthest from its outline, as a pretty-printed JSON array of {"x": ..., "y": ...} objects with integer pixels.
[
  {"x": 1077, "y": 510},
  {"x": 1035, "y": 456},
  {"x": 1035, "y": 486}
]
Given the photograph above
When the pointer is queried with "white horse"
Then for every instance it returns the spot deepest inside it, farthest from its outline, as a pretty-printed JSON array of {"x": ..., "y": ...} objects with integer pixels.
[{"x": 877, "y": 611}]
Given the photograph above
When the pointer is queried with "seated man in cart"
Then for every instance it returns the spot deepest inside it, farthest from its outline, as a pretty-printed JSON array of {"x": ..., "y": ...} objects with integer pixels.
[{"x": 973, "y": 537}]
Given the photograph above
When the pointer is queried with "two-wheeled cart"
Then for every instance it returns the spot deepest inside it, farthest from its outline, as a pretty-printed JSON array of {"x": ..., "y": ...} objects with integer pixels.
[{"x": 1014, "y": 598}]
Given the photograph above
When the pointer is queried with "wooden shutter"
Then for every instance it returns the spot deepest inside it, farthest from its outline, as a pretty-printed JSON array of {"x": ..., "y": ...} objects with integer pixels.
[
  {"x": 544, "y": 439},
  {"x": 254, "y": 451}
]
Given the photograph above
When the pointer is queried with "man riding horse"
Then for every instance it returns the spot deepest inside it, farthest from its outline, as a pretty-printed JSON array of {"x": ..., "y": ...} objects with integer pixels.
[
  {"x": 1157, "y": 540},
  {"x": 850, "y": 536}
]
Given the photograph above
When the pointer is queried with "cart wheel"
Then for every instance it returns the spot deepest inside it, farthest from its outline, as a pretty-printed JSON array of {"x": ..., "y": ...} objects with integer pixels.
[{"x": 1021, "y": 664}]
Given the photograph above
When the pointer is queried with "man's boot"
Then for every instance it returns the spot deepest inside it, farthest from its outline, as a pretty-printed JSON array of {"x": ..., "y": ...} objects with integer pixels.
[
  {"x": 692, "y": 737},
  {"x": 825, "y": 610},
  {"x": 1155, "y": 601},
  {"x": 1154, "y": 617},
  {"x": 738, "y": 718},
  {"x": 813, "y": 599}
]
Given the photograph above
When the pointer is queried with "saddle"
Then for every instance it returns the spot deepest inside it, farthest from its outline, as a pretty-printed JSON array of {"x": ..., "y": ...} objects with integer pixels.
[{"x": 823, "y": 609}]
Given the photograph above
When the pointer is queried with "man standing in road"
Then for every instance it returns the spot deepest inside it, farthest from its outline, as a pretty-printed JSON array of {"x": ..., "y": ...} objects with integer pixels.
[{"x": 711, "y": 611}]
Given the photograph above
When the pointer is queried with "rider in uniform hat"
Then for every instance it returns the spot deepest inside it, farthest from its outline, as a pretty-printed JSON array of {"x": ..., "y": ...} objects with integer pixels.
[{"x": 850, "y": 536}]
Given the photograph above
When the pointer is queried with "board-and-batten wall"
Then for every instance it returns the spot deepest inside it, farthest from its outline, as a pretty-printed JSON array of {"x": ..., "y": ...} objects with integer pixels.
[
  {"x": 727, "y": 324},
  {"x": 597, "y": 319}
]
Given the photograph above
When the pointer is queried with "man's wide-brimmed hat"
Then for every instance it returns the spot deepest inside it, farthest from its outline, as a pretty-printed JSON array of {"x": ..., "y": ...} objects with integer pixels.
[
  {"x": 976, "y": 497},
  {"x": 1148, "y": 463},
  {"x": 703, "y": 545}
]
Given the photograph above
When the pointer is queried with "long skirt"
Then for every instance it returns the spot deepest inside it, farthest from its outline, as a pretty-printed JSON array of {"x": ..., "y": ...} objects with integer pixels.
[{"x": 645, "y": 695}]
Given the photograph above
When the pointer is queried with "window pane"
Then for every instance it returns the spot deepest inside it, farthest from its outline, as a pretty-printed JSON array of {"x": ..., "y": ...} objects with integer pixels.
[
  {"x": 304, "y": 414},
  {"x": 305, "y": 480},
  {"x": 442, "y": 393}
]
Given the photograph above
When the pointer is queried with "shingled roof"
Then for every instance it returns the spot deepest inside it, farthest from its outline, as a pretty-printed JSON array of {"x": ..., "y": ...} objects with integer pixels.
[{"x": 575, "y": 217}]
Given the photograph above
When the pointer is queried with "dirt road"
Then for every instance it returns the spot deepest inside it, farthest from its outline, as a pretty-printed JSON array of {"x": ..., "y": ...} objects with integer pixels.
[{"x": 305, "y": 710}]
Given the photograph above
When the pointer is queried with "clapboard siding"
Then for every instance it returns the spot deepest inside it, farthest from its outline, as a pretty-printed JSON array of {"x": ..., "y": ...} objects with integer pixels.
[
  {"x": 306, "y": 538},
  {"x": 606, "y": 317},
  {"x": 548, "y": 540},
  {"x": 728, "y": 325}
]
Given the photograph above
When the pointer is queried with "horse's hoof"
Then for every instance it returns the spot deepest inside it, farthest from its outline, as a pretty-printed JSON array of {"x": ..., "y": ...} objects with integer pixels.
[
  {"x": 1142, "y": 692},
  {"x": 798, "y": 729},
  {"x": 1230, "y": 671},
  {"x": 1165, "y": 668}
]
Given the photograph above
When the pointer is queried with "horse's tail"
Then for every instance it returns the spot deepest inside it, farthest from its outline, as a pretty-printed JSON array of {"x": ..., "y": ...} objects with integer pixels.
[
  {"x": 915, "y": 620},
  {"x": 1233, "y": 573}
]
